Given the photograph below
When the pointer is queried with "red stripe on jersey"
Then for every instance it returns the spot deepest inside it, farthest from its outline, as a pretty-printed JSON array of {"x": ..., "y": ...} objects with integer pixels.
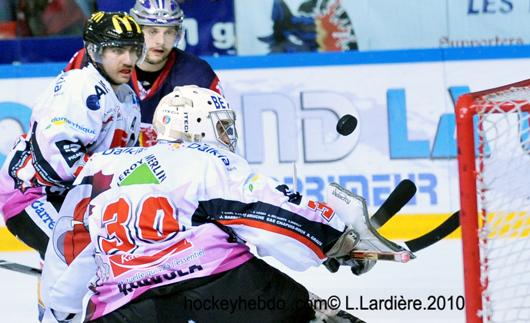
[
  {"x": 272, "y": 228},
  {"x": 76, "y": 61},
  {"x": 24, "y": 164},
  {"x": 42, "y": 181},
  {"x": 78, "y": 170},
  {"x": 159, "y": 80},
  {"x": 216, "y": 86}
]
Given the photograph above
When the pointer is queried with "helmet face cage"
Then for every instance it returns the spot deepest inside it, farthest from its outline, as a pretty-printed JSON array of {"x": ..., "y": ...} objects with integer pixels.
[
  {"x": 112, "y": 29},
  {"x": 194, "y": 114},
  {"x": 224, "y": 125}
]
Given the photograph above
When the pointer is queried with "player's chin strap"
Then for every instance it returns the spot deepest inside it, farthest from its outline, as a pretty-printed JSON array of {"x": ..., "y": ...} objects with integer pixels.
[{"x": 360, "y": 245}]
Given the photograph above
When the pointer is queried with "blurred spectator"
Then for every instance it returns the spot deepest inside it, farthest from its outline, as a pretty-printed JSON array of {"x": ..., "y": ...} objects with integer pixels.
[
  {"x": 8, "y": 22},
  {"x": 25, "y": 18}
]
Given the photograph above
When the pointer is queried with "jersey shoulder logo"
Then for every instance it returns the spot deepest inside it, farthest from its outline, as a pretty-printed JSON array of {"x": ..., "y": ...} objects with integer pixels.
[{"x": 92, "y": 102}]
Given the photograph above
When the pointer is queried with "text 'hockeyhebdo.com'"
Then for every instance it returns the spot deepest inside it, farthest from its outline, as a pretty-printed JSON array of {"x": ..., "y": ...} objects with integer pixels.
[{"x": 333, "y": 302}]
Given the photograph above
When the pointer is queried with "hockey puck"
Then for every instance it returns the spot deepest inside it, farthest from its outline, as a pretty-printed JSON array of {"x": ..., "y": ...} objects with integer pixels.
[{"x": 347, "y": 123}]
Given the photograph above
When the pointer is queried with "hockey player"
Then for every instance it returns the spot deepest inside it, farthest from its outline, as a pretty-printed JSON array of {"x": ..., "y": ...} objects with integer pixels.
[
  {"x": 151, "y": 240},
  {"x": 165, "y": 66},
  {"x": 83, "y": 111}
]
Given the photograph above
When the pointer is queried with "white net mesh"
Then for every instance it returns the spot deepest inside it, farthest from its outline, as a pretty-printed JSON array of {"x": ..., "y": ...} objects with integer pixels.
[{"x": 503, "y": 186}]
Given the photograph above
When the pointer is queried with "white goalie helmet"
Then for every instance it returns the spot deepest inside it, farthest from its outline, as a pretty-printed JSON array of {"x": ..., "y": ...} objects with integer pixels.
[{"x": 195, "y": 114}]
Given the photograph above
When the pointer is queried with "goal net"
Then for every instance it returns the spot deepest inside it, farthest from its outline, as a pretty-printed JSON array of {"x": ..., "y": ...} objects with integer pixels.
[{"x": 493, "y": 141}]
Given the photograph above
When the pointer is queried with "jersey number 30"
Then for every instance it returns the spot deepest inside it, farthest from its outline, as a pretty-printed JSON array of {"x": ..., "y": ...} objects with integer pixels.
[{"x": 156, "y": 221}]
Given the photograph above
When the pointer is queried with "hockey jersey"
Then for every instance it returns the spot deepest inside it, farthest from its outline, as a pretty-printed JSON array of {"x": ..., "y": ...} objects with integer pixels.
[
  {"x": 180, "y": 69},
  {"x": 151, "y": 224},
  {"x": 78, "y": 115}
]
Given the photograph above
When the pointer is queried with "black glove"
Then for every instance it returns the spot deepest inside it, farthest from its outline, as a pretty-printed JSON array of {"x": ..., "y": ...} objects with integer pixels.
[
  {"x": 357, "y": 266},
  {"x": 339, "y": 254}
]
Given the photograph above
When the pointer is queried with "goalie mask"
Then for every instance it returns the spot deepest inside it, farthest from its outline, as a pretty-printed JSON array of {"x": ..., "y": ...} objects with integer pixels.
[{"x": 195, "y": 114}]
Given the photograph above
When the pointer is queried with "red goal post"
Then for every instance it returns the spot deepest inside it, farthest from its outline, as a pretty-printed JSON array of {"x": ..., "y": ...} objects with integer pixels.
[{"x": 494, "y": 172}]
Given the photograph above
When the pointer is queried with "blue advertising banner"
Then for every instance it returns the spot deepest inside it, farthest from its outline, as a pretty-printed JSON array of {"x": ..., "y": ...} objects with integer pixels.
[{"x": 210, "y": 27}]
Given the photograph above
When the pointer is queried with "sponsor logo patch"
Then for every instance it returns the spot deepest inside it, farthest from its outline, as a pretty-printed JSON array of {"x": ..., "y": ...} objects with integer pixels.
[
  {"x": 71, "y": 151},
  {"x": 40, "y": 210},
  {"x": 121, "y": 264}
]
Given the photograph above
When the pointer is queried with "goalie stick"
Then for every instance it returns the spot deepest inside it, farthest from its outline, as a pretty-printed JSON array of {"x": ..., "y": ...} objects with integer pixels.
[
  {"x": 13, "y": 266},
  {"x": 443, "y": 230},
  {"x": 426, "y": 240},
  {"x": 397, "y": 199}
]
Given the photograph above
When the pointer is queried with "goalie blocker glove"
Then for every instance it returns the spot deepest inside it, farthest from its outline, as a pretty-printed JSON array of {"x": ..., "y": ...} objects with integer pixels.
[{"x": 339, "y": 254}]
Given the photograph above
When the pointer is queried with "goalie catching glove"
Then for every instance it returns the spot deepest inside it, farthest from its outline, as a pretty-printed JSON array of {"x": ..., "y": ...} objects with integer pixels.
[{"x": 360, "y": 245}]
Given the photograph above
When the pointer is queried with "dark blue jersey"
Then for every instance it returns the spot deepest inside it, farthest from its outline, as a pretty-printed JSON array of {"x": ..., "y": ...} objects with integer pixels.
[{"x": 181, "y": 69}]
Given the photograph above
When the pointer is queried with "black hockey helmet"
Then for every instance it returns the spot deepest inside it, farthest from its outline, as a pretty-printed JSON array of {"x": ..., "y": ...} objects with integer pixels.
[{"x": 113, "y": 29}]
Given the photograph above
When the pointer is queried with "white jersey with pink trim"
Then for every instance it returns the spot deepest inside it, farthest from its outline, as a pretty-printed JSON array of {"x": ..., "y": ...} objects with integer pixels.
[
  {"x": 78, "y": 115},
  {"x": 168, "y": 213}
]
